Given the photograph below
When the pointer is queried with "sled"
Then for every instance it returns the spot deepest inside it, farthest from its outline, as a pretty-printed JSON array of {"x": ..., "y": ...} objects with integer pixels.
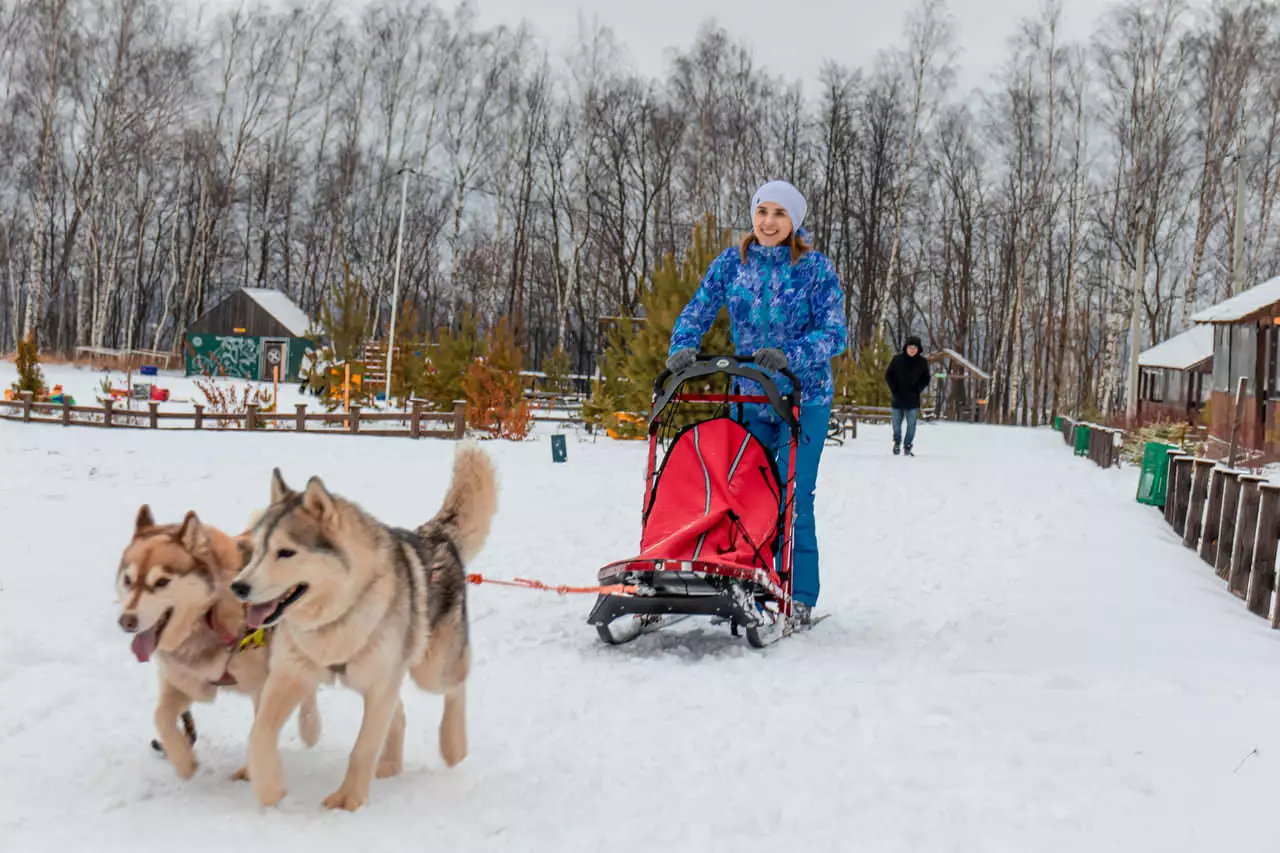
[{"x": 718, "y": 519}]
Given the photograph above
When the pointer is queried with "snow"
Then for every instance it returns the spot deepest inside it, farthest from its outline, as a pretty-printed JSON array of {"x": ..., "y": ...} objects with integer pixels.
[
  {"x": 1019, "y": 657},
  {"x": 84, "y": 384},
  {"x": 1181, "y": 352},
  {"x": 280, "y": 306},
  {"x": 1242, "y": 304}
]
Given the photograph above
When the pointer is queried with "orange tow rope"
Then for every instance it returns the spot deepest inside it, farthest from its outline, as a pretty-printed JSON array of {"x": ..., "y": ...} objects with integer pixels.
[{"x": 563, "y": 590}]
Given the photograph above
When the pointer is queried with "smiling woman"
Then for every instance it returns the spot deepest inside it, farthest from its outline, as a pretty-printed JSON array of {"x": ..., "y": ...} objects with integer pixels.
[{"x": 787, "y": 310}]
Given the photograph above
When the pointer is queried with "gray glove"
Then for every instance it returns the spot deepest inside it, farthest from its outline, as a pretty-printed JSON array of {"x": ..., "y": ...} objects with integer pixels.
[
  {"x": 681, "y": 359},
  {"x": 770, "y": 359}
]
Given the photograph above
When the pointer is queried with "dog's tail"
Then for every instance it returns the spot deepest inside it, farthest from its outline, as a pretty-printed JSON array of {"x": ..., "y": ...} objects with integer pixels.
[{"x": 469, "y": 506}]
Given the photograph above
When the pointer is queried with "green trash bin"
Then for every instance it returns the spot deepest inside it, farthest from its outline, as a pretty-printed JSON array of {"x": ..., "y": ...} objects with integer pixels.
[
  {"x": 1082, "y": 439},
  {"x": 1057, "y": 423},
  {"x": 1153, "y": 481}
]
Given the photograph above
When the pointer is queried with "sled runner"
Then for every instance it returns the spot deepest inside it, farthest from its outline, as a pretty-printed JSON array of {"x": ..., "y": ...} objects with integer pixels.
[{"x": 718, "y": 515}]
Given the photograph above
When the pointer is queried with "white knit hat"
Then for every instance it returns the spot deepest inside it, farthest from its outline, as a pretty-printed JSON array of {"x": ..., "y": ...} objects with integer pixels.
[{"x": 783, "y": 194}]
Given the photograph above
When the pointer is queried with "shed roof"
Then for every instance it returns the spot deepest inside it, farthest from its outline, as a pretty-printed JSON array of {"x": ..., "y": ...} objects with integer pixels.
[
  {"x": 281, "y": 307},
  {"x": 1242, "y": 305},
  {"x": 1181, "y": 352}
]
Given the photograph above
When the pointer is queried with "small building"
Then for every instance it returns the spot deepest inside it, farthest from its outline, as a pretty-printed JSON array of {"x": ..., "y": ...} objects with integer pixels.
[
  {"x": 1246, "y": 334},
  {"x": 247, "y": 335},
  {"x": 1176, "y": 377},
  {"x": 961, "y": 392}
]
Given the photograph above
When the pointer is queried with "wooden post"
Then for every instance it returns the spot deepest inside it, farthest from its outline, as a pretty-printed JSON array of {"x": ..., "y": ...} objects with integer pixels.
[
  {"x": 1236, "y": 417},
  {"x": 1212, "y": 518},
  {"x": 1181, "y": 491},
  {"x": 459, "y": 419},
  {"x": 1262, "y": 577},
  {"x": 1246, "y": 527},
  {"x": 415, "y": 419},
  {"x": 301, "y": 417},
  {"x": 199, "y": 419},
  {"x": 354, "y": 420},
  {"x": 107, "y": 405},
  {"x": 1227, "y": 523},
  {"x": 346, "y": 388},
  {"x": 154, "y": 417},
  {"x": 275, "y": 385},
  {"x": 66, "y": 410},
  {"x": 1195, "y": 506},
  {"x": 251, "y": 416},
  {"x": 26, "y": 406}
]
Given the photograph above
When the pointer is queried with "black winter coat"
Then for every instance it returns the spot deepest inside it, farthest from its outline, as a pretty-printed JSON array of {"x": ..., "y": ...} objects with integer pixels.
[{"x": 908, "y": 377}]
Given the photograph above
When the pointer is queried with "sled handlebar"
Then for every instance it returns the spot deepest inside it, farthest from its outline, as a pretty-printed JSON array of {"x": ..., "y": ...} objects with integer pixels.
[{"x": 742, "y": 366}]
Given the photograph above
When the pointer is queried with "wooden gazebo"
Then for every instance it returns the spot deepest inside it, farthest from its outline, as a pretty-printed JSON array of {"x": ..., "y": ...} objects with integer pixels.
[{"x": 961, "y": 393}]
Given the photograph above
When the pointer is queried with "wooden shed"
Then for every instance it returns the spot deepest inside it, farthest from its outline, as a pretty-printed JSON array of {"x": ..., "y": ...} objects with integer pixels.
[
  {"x": 1176, "y": 377},
  {"x": 960, "y": 392},
  {"x": 1246, "y": 338},
  {"x": 247, "y": 335}
]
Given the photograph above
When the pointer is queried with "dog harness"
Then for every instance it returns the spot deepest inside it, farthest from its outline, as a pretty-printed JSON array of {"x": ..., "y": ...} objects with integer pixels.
[{"x": 247, "y": 640}]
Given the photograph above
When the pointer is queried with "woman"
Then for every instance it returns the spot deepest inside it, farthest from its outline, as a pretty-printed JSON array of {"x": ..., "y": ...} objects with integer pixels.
[{"x": 786, "y": 308}]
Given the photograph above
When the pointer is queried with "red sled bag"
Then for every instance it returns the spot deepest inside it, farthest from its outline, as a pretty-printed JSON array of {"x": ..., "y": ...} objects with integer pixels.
[{"x": 716, "y": 531}]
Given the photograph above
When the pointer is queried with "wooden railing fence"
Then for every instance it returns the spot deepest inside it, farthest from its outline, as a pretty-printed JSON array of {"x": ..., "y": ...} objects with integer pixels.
[
  {"x": 1232, "y": 520},
  {"x": 415, "y": 422}
]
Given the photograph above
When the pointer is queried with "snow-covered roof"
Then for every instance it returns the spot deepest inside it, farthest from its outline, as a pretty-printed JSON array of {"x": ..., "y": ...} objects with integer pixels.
[
  {"x": 1181, "y": 352},
  {"x": 1241, "y": 305},
  {"x": 959, "y": 359},
  {"x": 280, "y": 307}
]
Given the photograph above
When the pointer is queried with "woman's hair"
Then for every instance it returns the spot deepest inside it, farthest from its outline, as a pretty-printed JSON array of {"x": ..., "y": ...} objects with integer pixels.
[{"x": 797, "y": 243}]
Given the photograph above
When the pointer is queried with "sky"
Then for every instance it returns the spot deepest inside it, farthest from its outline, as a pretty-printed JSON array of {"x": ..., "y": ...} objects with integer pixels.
[{"x": 849, "y": 31}]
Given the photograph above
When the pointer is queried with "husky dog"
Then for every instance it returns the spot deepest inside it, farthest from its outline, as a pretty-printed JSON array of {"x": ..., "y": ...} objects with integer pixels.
[
  {"x": 357, "y": 600},
  {"x": 173, "y": 585}
]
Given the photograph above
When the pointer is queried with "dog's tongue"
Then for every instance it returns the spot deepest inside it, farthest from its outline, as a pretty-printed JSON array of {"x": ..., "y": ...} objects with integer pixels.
[
  {"x": 144, "y": 644},
  {"x": 256, "y": 614}
]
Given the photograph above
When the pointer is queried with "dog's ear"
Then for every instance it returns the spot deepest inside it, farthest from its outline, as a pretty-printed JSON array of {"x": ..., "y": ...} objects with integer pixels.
[
  {"x": 279, "y": 491},
  {"x": 317, "y": 500},
  {"x": 144, "y": 521},
  {"x": 192, "y": 535}
]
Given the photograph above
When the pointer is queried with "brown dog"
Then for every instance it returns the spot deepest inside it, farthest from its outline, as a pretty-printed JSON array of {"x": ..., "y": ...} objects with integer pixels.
[{"x": 174, "y": 587}]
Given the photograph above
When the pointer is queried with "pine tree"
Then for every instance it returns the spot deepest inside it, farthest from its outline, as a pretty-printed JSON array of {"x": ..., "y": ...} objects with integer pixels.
[
  {"x": 844, "y": 373},
  {"x": 494, "y": 389},
  {"x": 674, "y": 283},
  {"x": 30, "y": 376},
  {"x": 346, "y": 327},
  {"x": 555, "y": 368},
  {"x": 608, "y": 392},
  {"x": 640, "y": 357},
  {"x": 869, "y": 386},
  {"x": 452, "y": 354},
  {"x": 409, "y": 366}
]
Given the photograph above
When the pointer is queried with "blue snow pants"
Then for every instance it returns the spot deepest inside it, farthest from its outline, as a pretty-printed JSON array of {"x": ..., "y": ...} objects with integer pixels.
[{"x": 765, "y": 425}]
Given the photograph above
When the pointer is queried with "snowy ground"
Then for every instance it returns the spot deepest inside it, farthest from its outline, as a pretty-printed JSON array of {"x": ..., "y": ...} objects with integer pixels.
[
  {"x": 1020, "y": 658},
  {"x": 83, "y": 382}
]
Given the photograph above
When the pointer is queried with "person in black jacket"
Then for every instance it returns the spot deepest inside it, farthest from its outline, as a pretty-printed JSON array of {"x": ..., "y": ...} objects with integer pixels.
[{"x": 908, "y": 377}]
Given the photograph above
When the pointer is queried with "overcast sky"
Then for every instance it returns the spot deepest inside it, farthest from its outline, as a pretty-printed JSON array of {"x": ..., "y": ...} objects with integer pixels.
[
  {"x": 793, "y": 39},
  {"x": 788, "y": 38}
]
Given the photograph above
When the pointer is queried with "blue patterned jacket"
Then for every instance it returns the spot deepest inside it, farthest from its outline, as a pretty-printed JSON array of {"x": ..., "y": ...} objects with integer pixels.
[{"x": 798, "y": 309}]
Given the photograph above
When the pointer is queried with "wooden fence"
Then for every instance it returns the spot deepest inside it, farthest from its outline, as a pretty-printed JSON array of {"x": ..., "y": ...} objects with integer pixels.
[
  {"x": 1229, "y": 517},
  {"x": 416, "y": 422},
  {"x": 1101, "y": 444},
  {"x": 845, "y": 419},
  {"x": 1232, "y": 520}
]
